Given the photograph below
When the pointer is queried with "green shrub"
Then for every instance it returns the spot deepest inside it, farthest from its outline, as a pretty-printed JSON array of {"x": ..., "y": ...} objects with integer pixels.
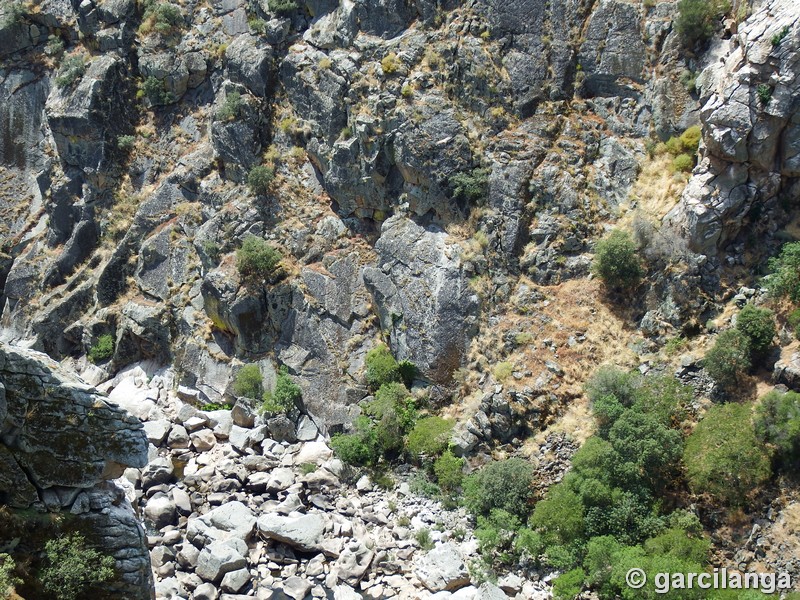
[
  {"x": 785, "y": 273},
  {"x": 71, "y": 568},
  {"x": 430, "y": 436},
  {"x": 282, "y": 7},
  {"x": 54, "y": 46},
  {"x": 354, "y": 448},
  {"x": 683, "y": 163},
  {"x": 495, "y": 535},
  {"x": 778, "y": 37},
  {"x": 609, "y": 380},
  {"x": 758, "y": 324},
  {"x": 256, "y": 260},
  {"x": 72, "y": 69},
  {"x": 777, "y": 423},
  {"x": 229, "y": 111},
  {"x": 161, "y": 17},
  {"x": 723, "y": 457},
  {"x": 764, "y": 93},
  {"x": 690, "y": 139},
  {"x": 504, "y": 484},
  {"x": 394, "y": 397},
  {"x": 502, "y": 371},
  {"x": 256, "y": 25},
  {"x": 260, "y": 178},
  {"x": 286, "y": 395},
  {"x": 102, "y": 349},
  {"x": 729, "y": 358},
  {"x": 14, "y": 14},
  {"x": 559, "y": 516},
  {"x": 390, "y": 63},
  {"x": 470, "y": 187},
  {"x": 568, "y": 585},
  {"x": 381, "y": 367},
  {"x": 249, "y": 383},
  {"x": 793, "y": 321},
  {"x": 688, "y": 79},
  {"x": 697, "y": 19},
  {"x": 126, "y": 142},
  {"x": 156, "y": 92},
  {"x": 7, "y": 578},
  {"x": 616, "y": 261},
  {"x": 449, "y": 470}
]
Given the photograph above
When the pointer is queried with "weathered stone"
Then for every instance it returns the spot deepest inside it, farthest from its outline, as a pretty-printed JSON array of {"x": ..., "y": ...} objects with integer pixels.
[
  {"x": 304, "y": 533},
  {"x": 217, "y": 559},
  {"x": 442, "y": 568}
]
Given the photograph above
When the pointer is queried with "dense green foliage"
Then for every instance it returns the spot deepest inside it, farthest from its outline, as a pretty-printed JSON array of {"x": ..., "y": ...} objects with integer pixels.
[
  {"x": 102, "y": 349},
  {"x": 729, "y": 358},
  {"x": 286, "y": 395},
  {"x": 758, "y": 324},
  {"x": 381, "y": 432},
  {"x": 381, "y": 367},
  {"x": 260, "y": 177},
  {"x": 256, "y": 260},
  {"x": 430, "y": 436},
  {"x": 72, "y": 69},
  {"x": 161, "y": 17},
  {"x": 282, "y": 7},
  {"x": 449, "y": 470},
  {"x": 470, "y": 187},
  {"x": 616, "y": 260},
  {"x": 71, "y": 568},
  {"x": 153, "y": 88},
  {"x": 249, "y": 382},
  {"x": 723, "y": 457},
  {"x": 504, "y": 484},
  {"x": 7, "y": 578},
  {"x": 777, "y": 423},
  {"x": 785, "y": 269},
  {"x": 697, "y": 19}
]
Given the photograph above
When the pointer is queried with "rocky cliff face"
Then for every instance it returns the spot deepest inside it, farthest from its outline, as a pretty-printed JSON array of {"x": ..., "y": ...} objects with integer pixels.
[
  {"x": 439, "y": 171},
  {"x": 61, "y": 443}
]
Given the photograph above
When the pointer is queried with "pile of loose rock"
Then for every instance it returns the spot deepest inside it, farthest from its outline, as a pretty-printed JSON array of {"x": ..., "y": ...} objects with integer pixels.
[{"x": 237, "y": 507}]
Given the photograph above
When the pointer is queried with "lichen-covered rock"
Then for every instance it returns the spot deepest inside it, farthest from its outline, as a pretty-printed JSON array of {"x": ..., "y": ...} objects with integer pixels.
[
  {"x": 60, "y": 430},
  {"x": 423, "y": 297}
]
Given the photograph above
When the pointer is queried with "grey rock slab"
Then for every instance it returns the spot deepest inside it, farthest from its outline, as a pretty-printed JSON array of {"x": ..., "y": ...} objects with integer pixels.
[
  {"x": 489, "y": 591},
  {"x": 442, "y": 568},
  {"x": 305, "y": 532},
  {"x": 217, "y": 559}
]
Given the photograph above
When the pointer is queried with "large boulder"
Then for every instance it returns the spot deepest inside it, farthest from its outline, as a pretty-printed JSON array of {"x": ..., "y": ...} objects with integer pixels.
[
  {"x": 304, "y": 533},
  {"x": 442, "y": 569}
]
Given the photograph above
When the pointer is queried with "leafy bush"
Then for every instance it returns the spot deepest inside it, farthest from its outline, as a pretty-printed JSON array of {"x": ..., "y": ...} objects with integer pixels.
[
  {"x": 286, "y": 395},
  {"x": 449, "y": 470},
  {"x": 504, "y": 484},
  {"x": 696, "y": 19},
  {"x": 502, "y": 370},
  {"x": 785, "y": 277},
  {"x": 126, "y": 142},
  {"x": 758, "y": 324},
  {"x": 355, "y": 448},
  {"x": 496, "y": 534},
  {"x": 257, "y": 25},
  {"x": 282, "y": 7},
  {"x": 568, "y": 585},
  {"x": 71, "y": 568},
  {"x": 72, "y": 69},
  {"x": 423, "y": 537},
  {"x": 777, "y": 423},
  {"x": 390, "y": 63},
  {"x": 381, "y": 367},
  {"x": 156, "y": 92},
  {"x": 54, "y": 46},
  {"x": 230, "y": 110},
  {"x": 616, "y": 260},
  {"x": 102, "y": 349},
  {"x": 764, "y": 93},
  {"x": 793, "y": 321},
  {"x": 161, "y": 17},
  {"x": 249, "y": 382},
  {"x": 260, "y": 178},
  {"x": 723, "y": 457},
  {"x": 690, "y": 139},
  {"x": 683, "y": 163},
  {"x": 256, "y": 259},
  {"x": 7, "y": 578},
  {"x": 408, "y": 371},
  {"x": 430, "y": 436},
  {"x": 470, "y": 187},
  {"x": 728, "y": 358}
]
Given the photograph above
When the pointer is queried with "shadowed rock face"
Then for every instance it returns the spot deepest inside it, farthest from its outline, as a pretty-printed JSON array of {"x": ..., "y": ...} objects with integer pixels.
[{"x": 60, "y": 443}]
